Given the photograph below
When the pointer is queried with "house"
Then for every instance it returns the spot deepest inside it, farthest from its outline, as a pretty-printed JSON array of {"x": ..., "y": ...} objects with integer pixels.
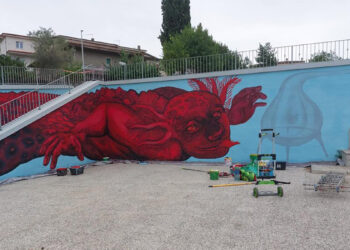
[
  {"x": 97, "y": 54},
  {"x": 17, "y": 46}
]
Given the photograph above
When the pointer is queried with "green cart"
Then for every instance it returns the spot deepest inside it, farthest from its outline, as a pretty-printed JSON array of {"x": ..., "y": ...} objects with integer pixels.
[{"x": 266, "y": 167}]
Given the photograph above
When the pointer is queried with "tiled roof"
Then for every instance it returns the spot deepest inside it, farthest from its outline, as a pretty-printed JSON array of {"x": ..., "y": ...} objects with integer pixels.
[
  {"x": 19, "y": 52},
  {"x": 93, "y": 45}
]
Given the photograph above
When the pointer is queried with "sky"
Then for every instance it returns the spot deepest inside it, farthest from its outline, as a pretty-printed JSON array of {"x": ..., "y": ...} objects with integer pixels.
[{"x": 241, "y": 25}]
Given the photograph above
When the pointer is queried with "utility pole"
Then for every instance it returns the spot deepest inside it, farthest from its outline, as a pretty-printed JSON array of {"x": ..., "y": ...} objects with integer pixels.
[{"x": 82, "y": 53}]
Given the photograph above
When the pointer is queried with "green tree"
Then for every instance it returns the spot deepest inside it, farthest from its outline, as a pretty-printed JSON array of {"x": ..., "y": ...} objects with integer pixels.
[
  {"x": 176, "y": 16},
  {"x": 133, "y": 67},
  {"x": 192, "y": 41},
  {"x": 324, "y": 56},
  {"x": 8, "y": 61},
  {"x": 266, "y": 55},
  {"x": 195, "y": 42},
  {"x": 50, "y": 51},
  {"x": 131, "y": 59}
]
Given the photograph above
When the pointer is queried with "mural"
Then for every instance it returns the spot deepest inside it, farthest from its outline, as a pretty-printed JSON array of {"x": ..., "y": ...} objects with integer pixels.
[
  {"x": 292, "y": 113},
  {"x": 166, "y": 123}
]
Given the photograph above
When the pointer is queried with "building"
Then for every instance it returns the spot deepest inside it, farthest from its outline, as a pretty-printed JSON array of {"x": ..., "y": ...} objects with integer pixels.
[
  {"x": 97, "y": 54},
  {"x": 17, "y": 46}
]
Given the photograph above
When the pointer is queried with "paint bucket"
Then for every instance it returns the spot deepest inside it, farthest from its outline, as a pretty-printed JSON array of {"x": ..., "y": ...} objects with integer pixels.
[
  {"x": 76, "y": 170},
  {"x": 253, "y": 158},
  {"x": 214, "y": 174},
  {"x": 237, "y": 173},
  {"x": 61, "y": 171},
  {"x": 281, "y": 165}
]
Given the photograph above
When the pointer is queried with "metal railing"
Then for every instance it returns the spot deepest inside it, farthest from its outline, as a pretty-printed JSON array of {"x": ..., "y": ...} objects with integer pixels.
[
  {"x": 42, "y": 94},
  {"x": 19, "y": 75},
  {"x": 302, "y": 53}
]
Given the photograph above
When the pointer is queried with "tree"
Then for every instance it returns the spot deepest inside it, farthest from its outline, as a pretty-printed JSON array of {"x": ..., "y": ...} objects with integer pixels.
[
  {"x": 196, "y": 42},
  {"x": 131, "y": 59},
  {"x": 50, "y": 51},
  {"x": 8, "y": 61},
  {"x": 266, "y": 55},
  {"x": 192, "y": 42},
  {"x": 132, "y": 67},
  {"x": 324, "y": 56},
  {"x": 176, "y": 16}
]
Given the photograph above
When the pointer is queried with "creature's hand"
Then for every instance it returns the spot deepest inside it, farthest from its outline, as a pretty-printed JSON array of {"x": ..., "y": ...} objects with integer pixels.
[
  {"x": 244, "y": 105},
  {"x": 63, "y": 143}
]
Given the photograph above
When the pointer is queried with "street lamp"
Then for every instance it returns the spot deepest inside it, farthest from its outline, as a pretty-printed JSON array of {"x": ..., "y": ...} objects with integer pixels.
[{"x": 82, "y": 53}]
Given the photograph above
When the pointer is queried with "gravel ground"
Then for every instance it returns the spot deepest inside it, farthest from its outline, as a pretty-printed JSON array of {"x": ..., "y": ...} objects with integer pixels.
[{"x": 162, "y": 206}]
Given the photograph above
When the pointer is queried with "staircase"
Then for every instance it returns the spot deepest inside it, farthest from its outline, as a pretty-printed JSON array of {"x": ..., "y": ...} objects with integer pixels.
[{"x": 31, "y": 106}]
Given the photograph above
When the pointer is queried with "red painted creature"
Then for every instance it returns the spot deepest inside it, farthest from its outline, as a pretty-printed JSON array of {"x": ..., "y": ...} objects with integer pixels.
[{"x": 161, "y": 124}]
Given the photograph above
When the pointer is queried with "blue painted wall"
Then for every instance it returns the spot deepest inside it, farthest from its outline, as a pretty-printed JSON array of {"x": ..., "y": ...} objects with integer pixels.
[
  {"x": 328, "y": 88},
  {"x": 308, "y": 107}
]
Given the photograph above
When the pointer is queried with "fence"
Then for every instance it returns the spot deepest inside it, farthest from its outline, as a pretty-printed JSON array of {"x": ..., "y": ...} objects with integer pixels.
[
  {"x": 302, "y": 53},
  {"x": 35, "y": 76},
  {"x": 17, "y": 75}
]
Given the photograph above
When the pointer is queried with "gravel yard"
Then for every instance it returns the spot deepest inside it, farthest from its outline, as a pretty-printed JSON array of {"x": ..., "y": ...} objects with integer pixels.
[{"x": 162, "y": 206}]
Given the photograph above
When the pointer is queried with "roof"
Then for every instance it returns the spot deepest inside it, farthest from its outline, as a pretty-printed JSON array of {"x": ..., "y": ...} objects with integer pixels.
[
  {"x": 106, "y": 47},
  {"x": 93, "y": 45},
  {"x": 19, "y": 52},
  {"x": 3, "y": 35}
]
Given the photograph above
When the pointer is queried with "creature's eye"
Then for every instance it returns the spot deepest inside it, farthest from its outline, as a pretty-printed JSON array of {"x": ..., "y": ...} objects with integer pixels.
[
  {"x": 217, "y": 114},
  {"x": 192, "y": 127}
]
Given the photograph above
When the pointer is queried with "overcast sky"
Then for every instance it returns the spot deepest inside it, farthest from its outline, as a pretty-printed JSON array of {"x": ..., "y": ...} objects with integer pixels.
[{"x": 241, "y": 25}]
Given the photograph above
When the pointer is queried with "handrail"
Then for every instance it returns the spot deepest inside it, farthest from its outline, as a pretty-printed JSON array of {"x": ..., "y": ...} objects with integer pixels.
[
  {"x": 15, "y": 108},
  {"x": 234, "y": 60},
  {"x": 38, "y": 87}
]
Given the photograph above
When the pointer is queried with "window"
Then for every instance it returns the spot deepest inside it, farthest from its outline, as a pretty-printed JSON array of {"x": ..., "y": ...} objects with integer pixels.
[
  {"x": 19, "y": 45},
  {"x": 108, "y": 61}
]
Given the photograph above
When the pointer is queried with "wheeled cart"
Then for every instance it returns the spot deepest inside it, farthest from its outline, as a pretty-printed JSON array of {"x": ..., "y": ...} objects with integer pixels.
[
  {"x": 331, "y": 182},
  {"x": 267, "y": 167}
]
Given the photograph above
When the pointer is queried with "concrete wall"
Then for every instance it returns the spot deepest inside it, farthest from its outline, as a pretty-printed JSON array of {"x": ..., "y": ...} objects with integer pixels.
[
  {"x": 96, "y": 59},
  {"x": 2, "y": 46},
  {"x": 9, "y": 43},
  {"x": 196, "y": 118},
  {"x": 27, "y": 44}
]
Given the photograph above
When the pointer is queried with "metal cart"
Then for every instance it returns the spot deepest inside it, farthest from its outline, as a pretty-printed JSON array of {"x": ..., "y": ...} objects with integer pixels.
[{"x": 331, "y": 182}]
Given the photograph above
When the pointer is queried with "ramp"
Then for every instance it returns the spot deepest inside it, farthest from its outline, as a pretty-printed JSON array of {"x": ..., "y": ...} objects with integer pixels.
[
  {"x": 33, "y": 105},
  {"x": 37, "y": 113}
]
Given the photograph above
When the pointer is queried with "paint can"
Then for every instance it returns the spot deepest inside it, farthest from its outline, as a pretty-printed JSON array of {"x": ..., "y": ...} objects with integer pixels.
[
  {"x": 237, "y": 171},
  {"x": 214, "y": 174},
  {"x": 76, "y": 170},
  {"x": 253, "y": 158},
  {"x": 61, "y": 171}
]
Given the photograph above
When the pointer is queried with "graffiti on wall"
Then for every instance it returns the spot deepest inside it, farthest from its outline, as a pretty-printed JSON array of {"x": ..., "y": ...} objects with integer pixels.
[
  {"x": 161, "y": 124},
  {"x": 294, "y": 114}
]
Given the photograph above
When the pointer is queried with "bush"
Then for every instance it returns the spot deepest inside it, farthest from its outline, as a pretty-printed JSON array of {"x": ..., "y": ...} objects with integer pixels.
[{"x": 131, "y": 71}]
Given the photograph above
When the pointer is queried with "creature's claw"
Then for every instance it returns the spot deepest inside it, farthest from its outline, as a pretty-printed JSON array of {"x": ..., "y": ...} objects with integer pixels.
[
  {"x": 57, "y": 145},
  {"x": 77, "y": 147},
  {"x": 244, "y": 105},
  {"x": 55, "y": 154}
]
